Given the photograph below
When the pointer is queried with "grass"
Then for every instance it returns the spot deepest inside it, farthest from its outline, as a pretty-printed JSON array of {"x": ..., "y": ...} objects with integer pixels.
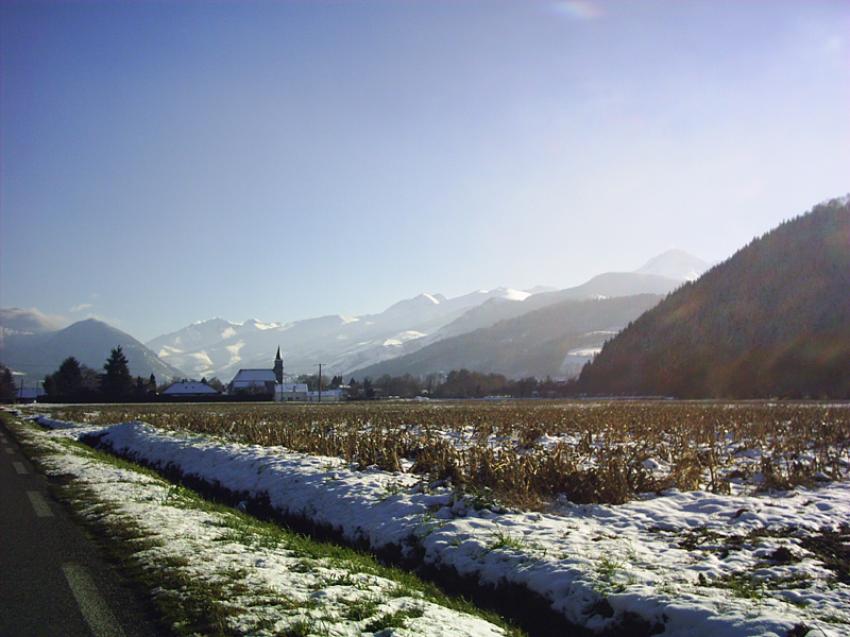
[
  {"x": 742, "y": 585},
  {"x": 396, "y": 619},
  {"x": 504, "y": 540},
  {"x": 194, "y": 606},
  {"x": 362, "y": 609}
]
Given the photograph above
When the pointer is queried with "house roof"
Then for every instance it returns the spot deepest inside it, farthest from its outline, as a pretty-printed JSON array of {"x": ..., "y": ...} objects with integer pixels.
[
  {"x": 189, "y": 387},
  {"x": 254, "y": 376}
]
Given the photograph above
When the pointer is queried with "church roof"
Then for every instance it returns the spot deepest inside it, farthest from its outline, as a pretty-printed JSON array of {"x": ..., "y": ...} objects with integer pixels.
[{"x": 254, "y": 376}]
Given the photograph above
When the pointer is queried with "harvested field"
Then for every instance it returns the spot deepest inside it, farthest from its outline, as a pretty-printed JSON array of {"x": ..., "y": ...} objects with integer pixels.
[{"x": 527, "y": 453}]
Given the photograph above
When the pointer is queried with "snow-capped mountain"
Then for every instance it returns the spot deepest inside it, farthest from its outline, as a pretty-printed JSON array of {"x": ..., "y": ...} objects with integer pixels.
[
  {"x": 675, "y": 264},
  {"x": 218, "y": 347}
]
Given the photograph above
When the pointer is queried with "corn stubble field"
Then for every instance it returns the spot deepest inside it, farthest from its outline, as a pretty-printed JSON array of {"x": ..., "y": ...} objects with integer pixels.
[{"x": 528, "y": 453}]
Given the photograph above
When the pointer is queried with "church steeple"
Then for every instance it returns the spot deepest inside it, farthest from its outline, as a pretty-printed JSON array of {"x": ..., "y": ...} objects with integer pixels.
[{"x": 278, "y": 366}]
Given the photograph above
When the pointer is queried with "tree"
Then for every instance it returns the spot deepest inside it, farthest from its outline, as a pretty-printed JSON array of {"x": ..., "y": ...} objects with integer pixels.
[
  {"x": 216, "y": 384},
  {"x": 140, "y": 391},
  {"x": 7, "y": 383},
  {"x": 117, "y": 382},
  {"x": 68, "y": 379}
]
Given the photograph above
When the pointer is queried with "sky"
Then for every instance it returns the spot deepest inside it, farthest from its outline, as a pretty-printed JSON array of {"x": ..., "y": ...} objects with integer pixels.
[{"x": 164, "y": 162}]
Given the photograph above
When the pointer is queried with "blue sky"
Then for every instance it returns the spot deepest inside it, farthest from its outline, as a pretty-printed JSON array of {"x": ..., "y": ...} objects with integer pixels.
[{"x": 166, "y": 162}]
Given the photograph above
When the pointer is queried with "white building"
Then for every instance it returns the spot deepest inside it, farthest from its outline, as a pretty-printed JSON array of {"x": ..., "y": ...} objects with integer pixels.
[
  {"x": 286, "y": 392},
  {"x": 327, "y": 396},
  {"x": 188, "y": 389}
]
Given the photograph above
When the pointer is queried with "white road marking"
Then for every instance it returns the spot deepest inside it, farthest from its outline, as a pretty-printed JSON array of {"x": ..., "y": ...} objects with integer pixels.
[
  {"x": 20, "y": 468},
  {"x": 100, "y": 619},
  {"x": 42, "y": 509}
]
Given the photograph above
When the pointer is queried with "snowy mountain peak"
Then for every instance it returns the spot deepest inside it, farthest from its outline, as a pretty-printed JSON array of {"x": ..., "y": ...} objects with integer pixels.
[
  {"x": 215, "y": 321},
  {"x": 675, "y": 264},
  {"x": 259, "y": 325},
  {"x": 511, "y": 294}
]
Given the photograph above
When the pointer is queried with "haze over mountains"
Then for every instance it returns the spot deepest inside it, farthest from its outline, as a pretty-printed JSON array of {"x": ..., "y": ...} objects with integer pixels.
[
  {"x": 773, "y": 320},
  {"x": 539, "y": 344}
]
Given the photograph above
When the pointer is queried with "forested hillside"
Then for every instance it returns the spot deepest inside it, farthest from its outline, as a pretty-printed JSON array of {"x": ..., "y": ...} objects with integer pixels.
[{"x": 773, "y": 320}]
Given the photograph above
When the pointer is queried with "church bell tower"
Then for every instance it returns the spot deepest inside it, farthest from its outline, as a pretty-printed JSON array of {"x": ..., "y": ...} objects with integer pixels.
[{"x": 278, "y": 367}]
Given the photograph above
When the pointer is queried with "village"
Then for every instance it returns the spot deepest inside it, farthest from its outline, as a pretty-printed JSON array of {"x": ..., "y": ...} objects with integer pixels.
[{"x": 257, "y": 384}]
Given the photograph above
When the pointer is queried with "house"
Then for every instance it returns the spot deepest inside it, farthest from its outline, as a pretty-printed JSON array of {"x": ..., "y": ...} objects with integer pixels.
[
  {"x": 287, "y": 392},
  {"x": 189, "y": 389},
  {"x": 258, "y": 381},
  {"x": 327, "y": 396}
]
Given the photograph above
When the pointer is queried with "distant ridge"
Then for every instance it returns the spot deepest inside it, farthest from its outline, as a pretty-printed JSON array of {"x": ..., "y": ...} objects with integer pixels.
[
  {"x": 89, "y": 341},
  {"x": 555, "y": 340},
  {"x": 773, "y": 320}
]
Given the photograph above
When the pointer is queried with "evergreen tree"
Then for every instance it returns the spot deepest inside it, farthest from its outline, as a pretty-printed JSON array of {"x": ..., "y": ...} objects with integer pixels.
[
  {"x": 50, "y": 387},
  {"x": 7, "y": 384},
  {"x": 117, "y": 382},
  {"x": 68, "y": 379}
]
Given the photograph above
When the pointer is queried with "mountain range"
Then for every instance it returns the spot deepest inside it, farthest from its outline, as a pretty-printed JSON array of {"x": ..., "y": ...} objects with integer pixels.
[
  {"x": 556, "y": 340},
  {"x": 447, "y": 332},
  {"x": 347, "y": 345},
  {"x": 772, "y": 320}
]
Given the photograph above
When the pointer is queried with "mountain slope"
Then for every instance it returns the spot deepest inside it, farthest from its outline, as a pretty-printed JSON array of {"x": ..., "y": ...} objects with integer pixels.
[
  {"x": 774, "y": 319},
  {"x": 219, "y": 348},
  {"x": 89, "y": 341},
  {"x": 553, "y": 341},
  {"x": 610, "y": 284}
]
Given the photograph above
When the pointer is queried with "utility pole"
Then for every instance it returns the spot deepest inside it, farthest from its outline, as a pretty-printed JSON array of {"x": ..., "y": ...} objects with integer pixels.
[{"x": 320, "y": 381}]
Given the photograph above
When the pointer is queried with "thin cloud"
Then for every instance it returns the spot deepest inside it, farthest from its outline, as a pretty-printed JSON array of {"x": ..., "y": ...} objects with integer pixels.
[{"x": 81, "y": 307}]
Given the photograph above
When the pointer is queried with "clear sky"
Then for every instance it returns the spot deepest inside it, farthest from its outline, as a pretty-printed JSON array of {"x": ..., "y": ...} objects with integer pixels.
[{"x": 165, "y": 162}]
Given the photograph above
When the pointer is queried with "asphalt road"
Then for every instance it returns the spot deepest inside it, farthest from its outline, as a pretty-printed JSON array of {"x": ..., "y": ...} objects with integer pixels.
[{"x": 54, "y": 579}]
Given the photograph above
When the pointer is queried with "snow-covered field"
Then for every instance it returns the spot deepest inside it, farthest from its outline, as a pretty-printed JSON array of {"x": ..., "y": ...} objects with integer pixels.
[
  {"x": 265, "y": 586},
  {"x": 689, "y": 563}
]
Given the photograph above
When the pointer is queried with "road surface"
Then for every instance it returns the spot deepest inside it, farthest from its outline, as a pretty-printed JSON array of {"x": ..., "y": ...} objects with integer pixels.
[{"x": 54, "y": 579}]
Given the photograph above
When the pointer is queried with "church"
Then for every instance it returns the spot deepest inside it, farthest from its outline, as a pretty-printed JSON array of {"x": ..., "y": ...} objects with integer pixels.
[{"x": 258, "y": 381}]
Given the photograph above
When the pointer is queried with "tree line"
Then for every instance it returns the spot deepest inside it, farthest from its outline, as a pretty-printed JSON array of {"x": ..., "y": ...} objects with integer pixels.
[
  {"x": 461, "y": 383},
  {"x": 74, "y": 382}
]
